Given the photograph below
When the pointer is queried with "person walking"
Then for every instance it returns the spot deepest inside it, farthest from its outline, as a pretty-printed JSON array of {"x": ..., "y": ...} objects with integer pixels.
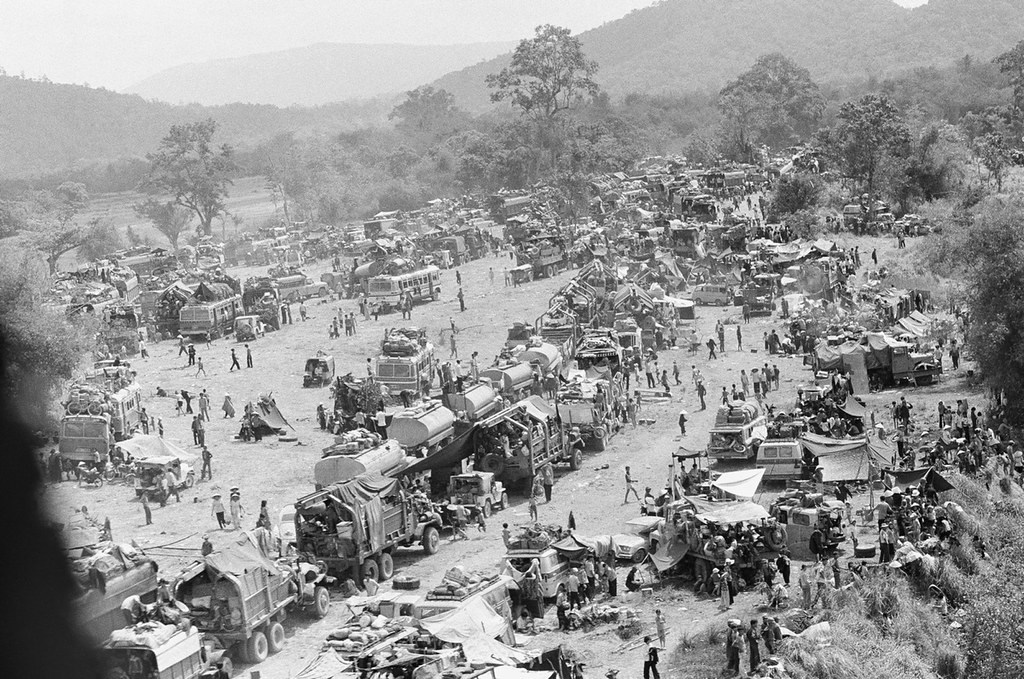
[
  {"x": 142, "y": 348},
  {"x": 675, "y": 373},
  {"x": 234, "y": 361},
  {"x": 207, "y": 471},
  {"x": 711, "y": 350},
  {"x": 201, "y": 370},
  {"x": 651, "y": 661},
  {"x": 146, "y": 509},
  {"x": 533, "y": 508},
  {"x": 248, "y": 356},
  {"x": 217, "y": 510},
  {"x": 454, "y": 350},
  {"x": 462, "y": 300},
  {"x": 701, "y": 393},
  {"x": 490, "y": 275},
  {"x": 630, "y": 487},
  {"x": 682, "y": 422}
]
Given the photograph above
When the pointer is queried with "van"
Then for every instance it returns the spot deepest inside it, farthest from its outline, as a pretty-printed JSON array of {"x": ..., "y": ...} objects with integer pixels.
[
  {"x": 554, "y": 568},
  {"x": 782, "y": 459},
  {"x": 712, "y": 294}
]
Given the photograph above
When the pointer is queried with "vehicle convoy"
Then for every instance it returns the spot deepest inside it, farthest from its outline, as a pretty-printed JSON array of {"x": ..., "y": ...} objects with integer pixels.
[
  {"x": 355, "y": 527},
  {"x": 424, "y": 429},
  {"x": 238, "y": 597},
  {"x": 158, "y": 651},
  {"x": 738, "y": 431},
  {"x": 102, "y": 408},
  {"x": 477, "y": 489},
  {"x": 515, "y": 443},
  {"x": 406, "y": 361},
  {"x": 386, "y": 291}
]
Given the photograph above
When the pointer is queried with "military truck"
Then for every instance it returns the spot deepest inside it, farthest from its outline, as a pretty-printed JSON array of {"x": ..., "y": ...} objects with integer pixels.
[
  {"x": 355, "y": 527},
  {"x": 153, "y": 650}
]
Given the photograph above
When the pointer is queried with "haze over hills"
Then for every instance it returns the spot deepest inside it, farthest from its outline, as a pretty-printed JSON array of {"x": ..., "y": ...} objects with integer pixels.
[
  {"x": 313, "y": 75},
  {"x": 686, "y": 45}
]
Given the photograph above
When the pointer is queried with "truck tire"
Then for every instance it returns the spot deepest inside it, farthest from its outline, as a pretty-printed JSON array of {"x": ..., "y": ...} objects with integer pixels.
[
  {"x": 321, "y": 601},
  {"x": 256, "y": 648},
  {"x": 370, "y": 569},
  {"x": 275, "y": 637},
  {"x": 406, "y": 582},
  {"x": 486, "y": 509},
  {"x": 576, "y": 461},
  {"x": 640, "y": 556},
  {"x": 387, "y": 566},
  {"x": 504, "y": 500},
  {"x": 431, "y": 540}
]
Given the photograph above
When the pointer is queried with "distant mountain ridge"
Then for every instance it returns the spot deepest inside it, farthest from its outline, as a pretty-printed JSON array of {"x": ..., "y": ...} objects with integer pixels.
[
  {"x": 687, "y": 45},
  {"x": 313, "y": 75}
]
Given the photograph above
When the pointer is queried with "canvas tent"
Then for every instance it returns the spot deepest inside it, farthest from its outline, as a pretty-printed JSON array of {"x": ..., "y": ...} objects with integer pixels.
[
  {"x": 913, "y": 477},
  {"x": 847, "y": 459},
  {"x": 148, "y": 446},
  {"x": 741, "y": 484},
  {"x": 474, "y": 618}
]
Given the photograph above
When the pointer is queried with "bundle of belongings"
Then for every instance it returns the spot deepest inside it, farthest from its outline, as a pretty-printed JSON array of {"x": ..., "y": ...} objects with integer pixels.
[
  {"x": 150, "y": 634},
  {"x": 361, "y": 633},
  {"x": 537, "y": 537}
]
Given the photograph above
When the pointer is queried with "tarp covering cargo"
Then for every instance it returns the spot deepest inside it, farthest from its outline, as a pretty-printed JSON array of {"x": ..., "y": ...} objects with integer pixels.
[
  {"x": 363, "y": 488},
  {"x": 632, "y": 295},
  {"x": 823, "y": 445},
  {"x": 147, "y": 446},
  {"x": 913, "y": 477},
  {"x": 853, "y": 408},
  {"x": 450, "y": 455},
  {"x": 327, "y": 665},
  {"x": 538, "y": 408},
  {"x": 915, "y": 326},
  {"x": 239, "y": 557},
  {"x": 727, "y": 512},
  {"x": 851, "y": 465},
  {"x": 742, "y": 483},
  {"x": 837, "y": 357},
  {"x": 576, "y": 546},
  {"x": 465, "y": 622}
]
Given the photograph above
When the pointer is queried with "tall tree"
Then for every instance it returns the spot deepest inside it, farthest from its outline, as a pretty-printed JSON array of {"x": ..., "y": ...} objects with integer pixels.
[
  {"x": 1011, "y": 62},
  {"x": 52, "y": 228},
  {"x": 776, "y": 102},
  {"x": 189, "y": 168},
  {"x": 869, "y": 129},
  {"x": 993, "y": 153},
  {"x": 549, "y": 74},
  {"x": 426, "y": 111},
  {"x": 168, "y": 217}
]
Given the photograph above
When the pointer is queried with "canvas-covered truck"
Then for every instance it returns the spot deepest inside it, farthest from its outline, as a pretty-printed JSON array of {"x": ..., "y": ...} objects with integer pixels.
[
  {"x": 515, "y": 443},
  {"x": 355, "y": 527},
  {"x": 202, "y": 320},
  {"x": 104, "y": 577},
  {"x": 547, "y": 255},
  {"x": 738, "y": 431},
  {"x": 238, "y": 597}
]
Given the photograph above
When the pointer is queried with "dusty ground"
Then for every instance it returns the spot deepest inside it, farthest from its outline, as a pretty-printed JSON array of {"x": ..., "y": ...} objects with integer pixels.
[{"x": 280, "y": 473}]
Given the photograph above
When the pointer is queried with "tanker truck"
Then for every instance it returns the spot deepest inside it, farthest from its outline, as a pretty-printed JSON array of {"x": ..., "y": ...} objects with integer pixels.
[
  {"x": 547, "y": 357},
  {"x": 358, "y": 452},
  {"x": 424, "y": 429},
  {"x": 512, "y": 381}
]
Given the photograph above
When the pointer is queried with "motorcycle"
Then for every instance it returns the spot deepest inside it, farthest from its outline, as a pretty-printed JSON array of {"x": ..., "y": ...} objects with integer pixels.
[
  {"x": 87, "y": 476},
  {"x": 124, "y": 473}
]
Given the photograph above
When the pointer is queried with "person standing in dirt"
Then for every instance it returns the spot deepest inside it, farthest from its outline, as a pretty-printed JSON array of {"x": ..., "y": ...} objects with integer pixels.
[
  {"x": 631, "y": 410},
  {"x": 234, "y": 361},
  {"x": 248, "y": 357},
  {"x": 739, "y": 338},
  {"x": 651, "y": 660},
  {"x": 458, "y": 277},
  {"x": 675, "y": 373},
  {"x": 462, "y": 300},
  {"x": 533, "y": 508},
  {"x": 753, "y": 635},
  {"x": 236, "y": 510},
  {"x": 454, "y": 353},
  {"x": 145, "y": 508},
  {"x": 682, "y": 422},
  {"x": 630, "y": 487},
  {"x": 701, "y": 393},
  {"x": 201, "y": 368},
  {"x": 547, "y": 476},
  {"x": 207, "y": 471},
  {"x": 711, "y": 350},
  {"x": 659, "y": 625},
  {"x": 196, "y": 428},
  {"x": 721, "y": 339},
  {"x": 490, "y": 275},
  {"x": 191, "y": 354},
  {"x": 204, "y": 406}
]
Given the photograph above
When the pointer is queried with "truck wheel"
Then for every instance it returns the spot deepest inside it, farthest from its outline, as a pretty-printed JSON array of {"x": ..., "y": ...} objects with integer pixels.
[
  {"x": 190, "y": 480},
  {"x": 256, "y": 648},
  {"x": 504, "y": 500},
  {"x": 321, "y": 601},
  {"x": 387, "y": 566},
  {"x": 370, "y": 570},
  {"x": 640, "y": 555},
  {"x": 576, "y": 461},
  {"x": 486, "y": 509},
  {"x": 406, "y": 582},
  {"x": 275, "y": 637},
  {"x": 431, "y": 540}
]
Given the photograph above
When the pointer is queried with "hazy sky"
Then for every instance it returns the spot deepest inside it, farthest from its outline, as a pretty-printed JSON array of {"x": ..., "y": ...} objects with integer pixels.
[{"x": 115, "y": 43}]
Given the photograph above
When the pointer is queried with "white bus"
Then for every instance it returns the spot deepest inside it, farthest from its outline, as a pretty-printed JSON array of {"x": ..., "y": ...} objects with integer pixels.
[{"x": 387, "y": 291}]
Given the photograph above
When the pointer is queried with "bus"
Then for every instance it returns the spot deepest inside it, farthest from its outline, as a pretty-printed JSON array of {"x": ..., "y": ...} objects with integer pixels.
[
  {"x": 211, "y": 320},
  {"x": 387, "y": 291}
]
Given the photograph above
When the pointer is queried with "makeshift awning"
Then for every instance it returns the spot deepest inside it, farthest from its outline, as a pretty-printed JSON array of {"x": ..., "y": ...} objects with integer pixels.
[
  {"x": 147, "y": 446},
  {"x": 913, "y": 477},
  {"x": 472, "y": 619},
  {"x": 575, "y": 547},
  {"x": 853, "y": 408},
  {"x": 687, "y": 454},
  {"x": 271, "y": 415},
  {"x": 727, "y": 512},
  {"x": 852, "y": 465},
  {"x": 742, "y": 484},
  {"x": 327, "y": 665},
  {"x": 822, "y": 446},
  {"x": 538, "y": 408},
  {"x": 670, "y": 555},
  {"x": 239, "y": 557}
]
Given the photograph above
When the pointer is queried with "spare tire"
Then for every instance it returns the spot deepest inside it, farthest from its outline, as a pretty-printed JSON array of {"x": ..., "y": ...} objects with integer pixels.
[
  {"x": 864, "y": 552},
  {"x": 287, "y": 439},
  {"x": 405, "y": 582},
  {"x": 493, "y": 463}
]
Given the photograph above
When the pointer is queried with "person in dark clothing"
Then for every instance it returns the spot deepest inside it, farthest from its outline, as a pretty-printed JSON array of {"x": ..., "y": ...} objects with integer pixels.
[
  {"x": 188, "y": 401},
  {"x": 248, "y": 357},
  {"x": 234, "y": 361},
  {"x": 782, "y": 563},
  {"x": 651, "y": 663},
  {"x": 711, "y": 350},
  {"x": 753, "y": 636},
  {"x": 207, "y": 470},
  {"x": 682, "y": 422},
  {"x": 191, "y": 354}
]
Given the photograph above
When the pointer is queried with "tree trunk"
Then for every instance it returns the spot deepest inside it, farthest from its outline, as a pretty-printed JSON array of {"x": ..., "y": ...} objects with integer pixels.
[{"x": 207, "y": 224}]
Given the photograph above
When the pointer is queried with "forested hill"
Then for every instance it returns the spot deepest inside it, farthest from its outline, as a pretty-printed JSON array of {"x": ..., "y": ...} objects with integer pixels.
[
  {"x": 684, "y": 45},
  {"x": 313, "y": 75},
  {"x": 45, "y": 125}
]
